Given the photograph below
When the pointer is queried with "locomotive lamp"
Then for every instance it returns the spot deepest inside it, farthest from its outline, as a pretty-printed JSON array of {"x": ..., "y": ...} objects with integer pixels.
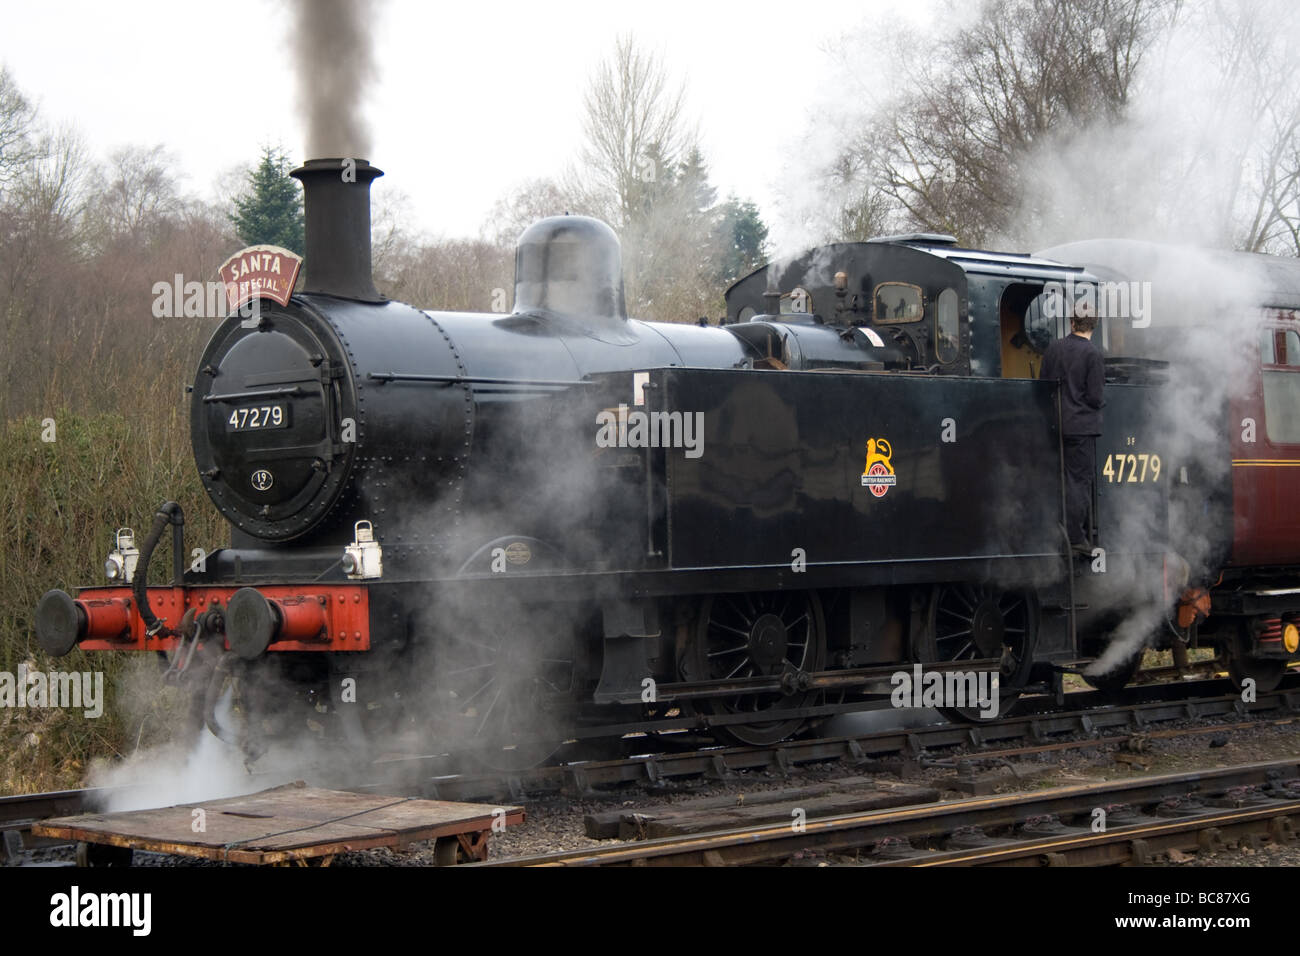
[
  {"x": 363, "y": 558},
  {"x": 121, "y": 561}
]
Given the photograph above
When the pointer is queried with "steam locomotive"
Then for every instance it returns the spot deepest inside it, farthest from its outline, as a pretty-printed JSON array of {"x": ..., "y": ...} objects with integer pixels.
[{"x": 496, "y": 532}]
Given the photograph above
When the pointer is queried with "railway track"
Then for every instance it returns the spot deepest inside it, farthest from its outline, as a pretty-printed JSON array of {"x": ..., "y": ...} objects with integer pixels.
[
  {"x": 1091, "y": 715},
  {"x": 1098, "y": 721},
  {"x": 1127, "y": 821}
]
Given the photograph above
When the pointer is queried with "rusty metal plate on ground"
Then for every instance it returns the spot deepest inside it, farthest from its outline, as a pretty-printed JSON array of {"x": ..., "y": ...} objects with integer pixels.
[{"x": 292, "y": 822}]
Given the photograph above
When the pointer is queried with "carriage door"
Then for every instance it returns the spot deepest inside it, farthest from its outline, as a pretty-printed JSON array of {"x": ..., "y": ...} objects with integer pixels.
[{"x": 1266, "y": 483}]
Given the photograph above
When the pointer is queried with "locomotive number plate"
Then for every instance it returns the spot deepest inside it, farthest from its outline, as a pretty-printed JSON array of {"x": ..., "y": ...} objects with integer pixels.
[
  {"x": 258, "y": 418},
  {"x": 1140, "y": 468}
]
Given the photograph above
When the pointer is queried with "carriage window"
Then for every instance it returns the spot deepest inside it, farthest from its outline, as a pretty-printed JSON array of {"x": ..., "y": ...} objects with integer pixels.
[
  {"x": 1280, "y": 349},
  {"x": 897, "y": 302},
  {"x": 946, "y": 335}
]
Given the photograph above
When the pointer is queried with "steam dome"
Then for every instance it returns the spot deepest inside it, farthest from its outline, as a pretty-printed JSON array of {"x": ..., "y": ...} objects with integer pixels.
[{"x": 571, "y": 266}]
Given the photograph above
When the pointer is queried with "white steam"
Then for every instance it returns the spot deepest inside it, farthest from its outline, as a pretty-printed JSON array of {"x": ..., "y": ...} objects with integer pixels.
[
  {"x": 1200, "y": 150},
  {"x": 1205, "y": 306},
  {"x": 208, "y": 768}
]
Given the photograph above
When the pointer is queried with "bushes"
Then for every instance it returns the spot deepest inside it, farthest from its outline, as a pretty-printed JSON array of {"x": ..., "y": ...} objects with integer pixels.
[{"x": 60, "y": 503}]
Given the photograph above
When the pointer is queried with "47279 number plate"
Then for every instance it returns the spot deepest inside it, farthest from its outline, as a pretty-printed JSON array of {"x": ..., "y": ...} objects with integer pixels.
[{"x": 258, "y": 418}]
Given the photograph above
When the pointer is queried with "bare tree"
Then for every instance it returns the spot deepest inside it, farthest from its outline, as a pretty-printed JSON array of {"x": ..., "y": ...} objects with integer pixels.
[
  {"x": 949, "y": 153},
  {"x": 634, "y": 127},
  {"x": 1258, "y": 206},
  {"x": 642, "y": 171},
  {"x": 1206, "y": 149},
  {"x": 140, "y": 190},
  {"x": 528, "y": 202},
  {"x": 455, "y": 275},
  {"x": 17, "y": 127},
  {"x": 40, "y": 244}
]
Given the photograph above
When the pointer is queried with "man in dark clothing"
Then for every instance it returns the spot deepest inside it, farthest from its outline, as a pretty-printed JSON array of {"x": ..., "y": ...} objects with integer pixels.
[{"x": 1074, "y": 363}]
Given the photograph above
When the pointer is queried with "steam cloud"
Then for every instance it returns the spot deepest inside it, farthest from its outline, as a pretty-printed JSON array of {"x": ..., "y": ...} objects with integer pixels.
[
  {"x": 1203, "y": 323},
  {"x": 204, "y": 769},
  {"x": 334, "y": 59}
]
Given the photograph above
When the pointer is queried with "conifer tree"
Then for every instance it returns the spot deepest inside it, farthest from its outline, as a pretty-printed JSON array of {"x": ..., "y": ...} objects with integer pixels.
[{"x": 270, "y": 210}]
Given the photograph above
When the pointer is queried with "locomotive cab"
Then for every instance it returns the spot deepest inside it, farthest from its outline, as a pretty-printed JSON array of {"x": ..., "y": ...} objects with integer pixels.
[{"x": 930, "y": 304}]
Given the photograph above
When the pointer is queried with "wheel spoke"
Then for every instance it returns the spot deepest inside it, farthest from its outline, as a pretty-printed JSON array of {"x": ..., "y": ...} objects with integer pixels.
[
  {"x": 488, "y": 713},
  {"x": 736, "y": 668},
  {"x": 743, "y": 635},
  {"x": 465, "y": 670},
  {"x": 462, "y": 639},
  {"x": 962, "y": 598},
  {"x": 470, "y": 699},
  {"x": 730, "y": 650},
  {"x": 748, "y": 620}
]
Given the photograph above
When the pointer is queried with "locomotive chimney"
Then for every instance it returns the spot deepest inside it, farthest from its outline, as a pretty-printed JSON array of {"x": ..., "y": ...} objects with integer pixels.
[{"x": 336, "y": 200}]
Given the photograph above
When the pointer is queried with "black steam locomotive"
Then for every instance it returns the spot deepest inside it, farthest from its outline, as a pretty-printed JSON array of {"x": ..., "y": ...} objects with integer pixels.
[{"x": 500, "y": 531}]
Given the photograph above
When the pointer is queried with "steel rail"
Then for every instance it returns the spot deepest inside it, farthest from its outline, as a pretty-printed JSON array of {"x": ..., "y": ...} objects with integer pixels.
[
  {"x": 1133, "y": 843},
  {"x": 768, "y": 843}
]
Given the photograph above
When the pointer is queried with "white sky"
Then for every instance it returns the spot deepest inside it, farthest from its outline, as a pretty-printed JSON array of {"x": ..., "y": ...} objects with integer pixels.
[{"x": 472, "y": 97}]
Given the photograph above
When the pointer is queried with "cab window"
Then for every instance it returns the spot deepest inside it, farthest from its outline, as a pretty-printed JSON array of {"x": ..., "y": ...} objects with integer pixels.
[
  {"x": 946, "y": 333},
  {"x": 897, "y": 302}
]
